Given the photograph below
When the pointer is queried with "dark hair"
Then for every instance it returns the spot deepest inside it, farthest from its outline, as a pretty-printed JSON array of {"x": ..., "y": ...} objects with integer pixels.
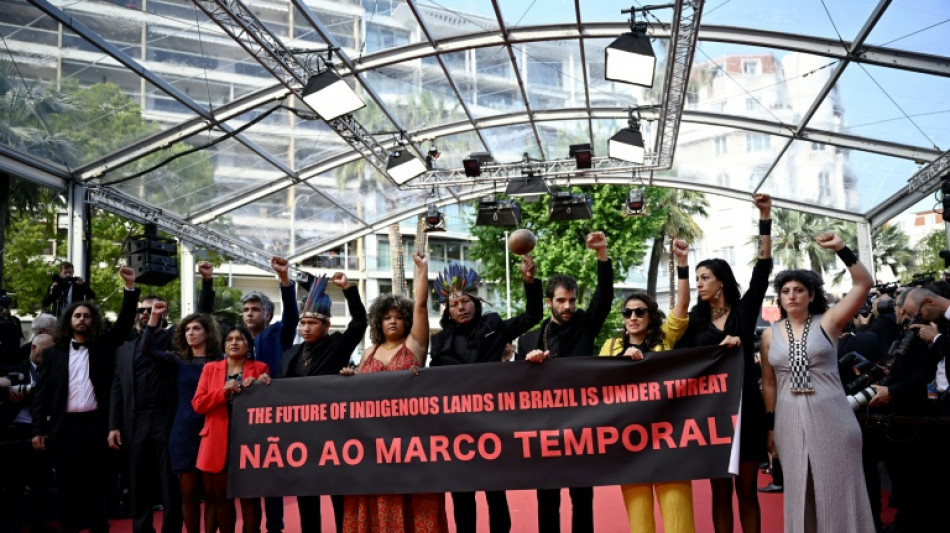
[
  {"x": 380, "y": 307},
  {"x": 66, "y": 264},
  {"x": 811, "y": 281},
  {"x": 152, "y": 296},
  {"x": 446, "y": 319},
  {"x": 247, "y": 337},
  {"x": 730, "y": 288},
  {"x": 655, "y": 329},
  {"x": 560, "y": 281},
  {"x": 64, "y": 325},
  {"x": 213, "y": 344}
]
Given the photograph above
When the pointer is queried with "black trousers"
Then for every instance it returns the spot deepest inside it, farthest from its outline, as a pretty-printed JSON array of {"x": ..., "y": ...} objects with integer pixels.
[
  {"x": 150, "y": 470},
  {"x": 582, "y": 510},
  {"x": 310, "y": 519},
  {"x": 78, "y": 452},
  {"x": 499, "y": 517},
  {"x": 26, "y": 467}
]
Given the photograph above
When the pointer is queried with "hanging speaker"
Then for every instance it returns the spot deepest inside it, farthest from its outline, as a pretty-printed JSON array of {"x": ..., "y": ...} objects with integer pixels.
[{"x": 154, "y": 259}]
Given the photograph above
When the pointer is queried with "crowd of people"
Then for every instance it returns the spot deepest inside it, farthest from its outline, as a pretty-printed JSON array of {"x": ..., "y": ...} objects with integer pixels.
[{"x": 162, "y": 394}]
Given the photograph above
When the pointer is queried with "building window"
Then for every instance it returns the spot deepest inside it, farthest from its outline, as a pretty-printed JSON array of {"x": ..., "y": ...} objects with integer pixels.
[
  {"x": 755, "y": 142},
  {"x": 723, "y": 179},
  {"x": 817, "y": 147},
  {"x": 824, "y": 185},
  {"x": 750, "y": 67},
  {"x": 750, "y": 104},
  {"x": 721, "y": 145}
]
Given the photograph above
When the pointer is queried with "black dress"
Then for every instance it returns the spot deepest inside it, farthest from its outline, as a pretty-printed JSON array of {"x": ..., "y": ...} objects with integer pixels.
[{"x": 741, "y": 323}]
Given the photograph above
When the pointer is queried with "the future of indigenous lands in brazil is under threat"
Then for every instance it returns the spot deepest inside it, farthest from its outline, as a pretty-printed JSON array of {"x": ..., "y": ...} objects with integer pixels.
[{"x": 490, "y": 427}]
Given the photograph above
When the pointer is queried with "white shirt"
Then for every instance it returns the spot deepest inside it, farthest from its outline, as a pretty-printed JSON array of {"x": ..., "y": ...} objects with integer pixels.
[
  {"x": 82, "y": 395},
  {"x": 23, "y": 415},
  {"x": 941, "y": 378}
]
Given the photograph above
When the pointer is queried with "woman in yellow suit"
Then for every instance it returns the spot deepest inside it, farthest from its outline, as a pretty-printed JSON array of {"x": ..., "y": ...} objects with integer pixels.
[{"x": 645, "y": 332}]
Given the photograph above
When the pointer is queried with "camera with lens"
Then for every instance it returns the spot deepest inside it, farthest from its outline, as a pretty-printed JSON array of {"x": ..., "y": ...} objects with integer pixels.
[
  {"x": 859, "y": 390},
  {"x": 901, "y": 346},
  {"x": 19, "y": 382}
]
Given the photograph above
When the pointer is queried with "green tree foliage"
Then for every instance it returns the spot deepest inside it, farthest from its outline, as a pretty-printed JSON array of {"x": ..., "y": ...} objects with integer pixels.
[
  {"x": 561, "y": 247},
  {"x": 890, "y": 248},
  {"x": 927, "y": 255},
  {"x": 793, "y": 240},
  {"x": 678, "y": 207}
]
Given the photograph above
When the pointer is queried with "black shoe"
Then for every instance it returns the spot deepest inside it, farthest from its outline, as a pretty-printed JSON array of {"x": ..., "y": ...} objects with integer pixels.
[{"x": 771, "y": 487}]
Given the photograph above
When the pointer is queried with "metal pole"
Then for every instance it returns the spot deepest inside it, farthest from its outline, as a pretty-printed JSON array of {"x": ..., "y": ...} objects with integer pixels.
[{"x": 507, "y": 278}]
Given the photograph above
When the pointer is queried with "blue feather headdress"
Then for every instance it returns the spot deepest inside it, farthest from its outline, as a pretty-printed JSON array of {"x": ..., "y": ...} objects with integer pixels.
[
  {"x": 455, "y": 279},
  {"x": 317, "y": 304}
]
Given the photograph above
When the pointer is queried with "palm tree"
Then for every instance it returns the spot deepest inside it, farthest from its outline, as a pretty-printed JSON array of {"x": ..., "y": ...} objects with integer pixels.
[
  {"x": 890, "y": 248},
  {"x": 23, "y": 113},
  {"x": 793, "y": 240},
  {"x": 680, "y": 206}
]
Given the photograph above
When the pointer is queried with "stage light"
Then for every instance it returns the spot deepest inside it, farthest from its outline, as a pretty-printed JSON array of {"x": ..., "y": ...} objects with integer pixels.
[
  {"x": 582, "y": 154},
  {"x": 434, "y": 219},
  {"x": 568, "y": 206},
  {"x": 527, "y": 185},
  {"x": 330, "y": 96},
  {"x": 493, "y": 212},
  {"x": 630, "y": 59},
  {"x": 403, "y": 166},
  {"x": 475, "y": 161},
  {"x": 635, "y": 202},
  {"x": 627, "y": 144}
]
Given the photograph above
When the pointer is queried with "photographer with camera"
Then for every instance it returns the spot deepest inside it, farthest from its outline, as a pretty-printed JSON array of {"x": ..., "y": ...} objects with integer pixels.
[
  {"x": 66, "y": 289},
  {"x": 26, "y": 465},
  {"x": 909, "y": 447}
]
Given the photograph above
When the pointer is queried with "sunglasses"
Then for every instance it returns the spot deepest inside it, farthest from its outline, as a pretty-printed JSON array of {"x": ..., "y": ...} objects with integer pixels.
[
  {"x": 639, "y": 311},
  {"x": 141, "y": 310}
]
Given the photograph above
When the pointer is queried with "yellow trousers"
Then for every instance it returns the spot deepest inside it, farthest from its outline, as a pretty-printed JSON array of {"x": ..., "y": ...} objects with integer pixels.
[{"x": 676, "y": 506}]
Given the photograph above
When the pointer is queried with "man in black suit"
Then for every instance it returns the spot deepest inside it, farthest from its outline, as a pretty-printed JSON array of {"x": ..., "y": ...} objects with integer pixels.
[
  {"x": 71, "y": 406},
  {"x": 570, "y": 332},
  {"x": 320, "y": 354},
  {"x": 142, "y": 408}
]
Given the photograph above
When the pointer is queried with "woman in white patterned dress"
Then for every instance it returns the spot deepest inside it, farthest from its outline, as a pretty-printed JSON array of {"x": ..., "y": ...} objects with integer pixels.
[{"x": 816, "y": 434}]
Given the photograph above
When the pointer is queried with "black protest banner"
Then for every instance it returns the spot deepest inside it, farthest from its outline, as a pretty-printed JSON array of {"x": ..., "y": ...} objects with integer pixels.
[{"x": 567, "y": 422}]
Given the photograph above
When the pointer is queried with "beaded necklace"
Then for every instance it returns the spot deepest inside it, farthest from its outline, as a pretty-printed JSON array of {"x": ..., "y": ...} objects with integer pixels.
[{"x": 798, "y": 359}]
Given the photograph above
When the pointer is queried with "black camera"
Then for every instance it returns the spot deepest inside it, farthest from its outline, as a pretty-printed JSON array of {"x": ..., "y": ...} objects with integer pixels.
[
  {"x": 859, "y": 390},
  {"x": 900, "y": 347},
  {"x": 19, "y": 382},
  {"x": 5, "y": 301}
]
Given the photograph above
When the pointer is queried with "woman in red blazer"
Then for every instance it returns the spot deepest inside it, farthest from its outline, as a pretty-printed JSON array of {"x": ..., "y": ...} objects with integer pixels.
[{"x": 219, "y": 382}]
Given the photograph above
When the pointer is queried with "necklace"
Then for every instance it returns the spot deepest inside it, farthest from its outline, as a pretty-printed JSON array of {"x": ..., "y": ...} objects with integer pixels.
[
  {"x": 798, "y": 359},
  {"x": 719, "y": 312},
  {"x": 390, "y": 345}
]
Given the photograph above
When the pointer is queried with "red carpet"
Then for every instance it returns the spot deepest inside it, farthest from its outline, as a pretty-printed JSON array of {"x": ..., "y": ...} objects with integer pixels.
[{"x": 609, "y": 512}]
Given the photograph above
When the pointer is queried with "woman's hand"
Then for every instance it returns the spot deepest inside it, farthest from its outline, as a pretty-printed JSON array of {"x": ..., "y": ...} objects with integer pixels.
[
  {"x": 731, "y": 341},
  {"x": 232, "y": 387},
  {"x": 537, "y": 356},
  {"x": 633, "y": 353},
  {"x": 264, "y": 379},
  {"x": 681, "y": 251},
  {"x": 830, "y": 240},
  {"x": 764, "y": 203},
  {"x": 347, "y": 371}
]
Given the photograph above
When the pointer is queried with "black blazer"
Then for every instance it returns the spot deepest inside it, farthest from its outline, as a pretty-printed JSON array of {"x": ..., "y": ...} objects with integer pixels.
[
  {"x": 52, "y": 387},
  {"x": 332, "y": 352},
  {"x": 122, "y": 401}
]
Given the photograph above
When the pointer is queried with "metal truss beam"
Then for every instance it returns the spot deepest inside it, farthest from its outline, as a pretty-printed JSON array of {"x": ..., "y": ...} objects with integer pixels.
[
  {"x": 240, "y": 23},
  {"x": 868, "y": 54},
  {"x": 32, "y": 169},
  {"x": 128, "y": 62},
  {"x": 123, "y": 205},
  {"x": 923, "y": 183},
  {"x": 684, "y": 29}
]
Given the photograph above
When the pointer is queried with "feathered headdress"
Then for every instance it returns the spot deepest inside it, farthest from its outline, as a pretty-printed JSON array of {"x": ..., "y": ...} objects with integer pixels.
[
  {"x": 317, "y": 304},
  {"x": 453, "y": 280}
]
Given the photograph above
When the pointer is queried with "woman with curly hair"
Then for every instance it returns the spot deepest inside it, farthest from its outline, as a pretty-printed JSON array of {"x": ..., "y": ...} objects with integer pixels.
[
  {"x": 804, "y": 401},
  {"x": 399, "y": 330},
  {"x": 724, "y": 316},
  {"x": 645, "y": 332},
  {"x": 197, "y": 339}
]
